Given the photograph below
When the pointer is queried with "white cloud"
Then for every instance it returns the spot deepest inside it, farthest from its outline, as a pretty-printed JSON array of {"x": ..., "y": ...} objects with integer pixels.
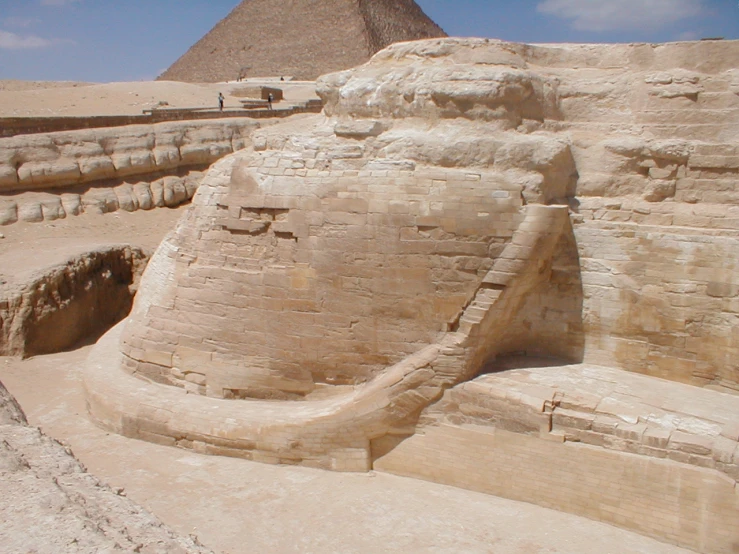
[
  {"x": 11, "y": 41},
  {"x": 19, "y": 22},
  {"x": 612, "y": 15}
]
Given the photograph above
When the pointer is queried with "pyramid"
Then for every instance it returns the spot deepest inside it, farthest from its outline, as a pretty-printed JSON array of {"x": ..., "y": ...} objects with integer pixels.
[{"x": 300, "y": 38}]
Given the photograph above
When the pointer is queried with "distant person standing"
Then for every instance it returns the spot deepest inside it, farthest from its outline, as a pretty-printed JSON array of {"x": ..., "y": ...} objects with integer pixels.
[
  {"x": 220, "y": 101},
  {"x": 270, "y": 99}
]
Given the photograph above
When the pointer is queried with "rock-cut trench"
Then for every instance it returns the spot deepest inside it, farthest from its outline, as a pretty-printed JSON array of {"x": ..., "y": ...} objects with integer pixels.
[{"x": 57, "y": 307}]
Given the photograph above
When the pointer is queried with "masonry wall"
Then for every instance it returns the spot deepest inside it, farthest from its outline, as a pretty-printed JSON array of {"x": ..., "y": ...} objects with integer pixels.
[
  {"x": 52, "y": 175},
  {"x": 330, "y": 277},
  {"x": 656, "y": 215},
  {"x": 684, "y": 505},
  {"x": 657, "y": 224}
]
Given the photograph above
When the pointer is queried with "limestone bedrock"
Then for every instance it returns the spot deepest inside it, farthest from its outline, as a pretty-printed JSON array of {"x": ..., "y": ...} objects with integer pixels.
[
  {"x": 44, "y": 177},
  {"x": 51, "y": 504},
  {"x": 64, "y": 296},
  {"x": 458, "y": 200}
]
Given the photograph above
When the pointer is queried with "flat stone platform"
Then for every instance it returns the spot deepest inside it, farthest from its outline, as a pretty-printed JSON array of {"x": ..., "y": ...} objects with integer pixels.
[
  {"x": 604, "y": 407},
  {"x": 646, "y": 454}
]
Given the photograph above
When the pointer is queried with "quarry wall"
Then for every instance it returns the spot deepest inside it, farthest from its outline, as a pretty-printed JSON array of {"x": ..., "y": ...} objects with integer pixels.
[{"x": 55, "y": 307}]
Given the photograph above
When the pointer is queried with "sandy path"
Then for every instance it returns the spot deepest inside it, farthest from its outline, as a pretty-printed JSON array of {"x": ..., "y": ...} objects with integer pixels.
[{"x": 29, "y": 246}]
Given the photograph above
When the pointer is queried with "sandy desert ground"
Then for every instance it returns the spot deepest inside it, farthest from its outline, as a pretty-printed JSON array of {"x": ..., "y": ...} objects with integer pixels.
[
  {"x": 49, "y": 98},
  {"x": 235, "y": 506}
]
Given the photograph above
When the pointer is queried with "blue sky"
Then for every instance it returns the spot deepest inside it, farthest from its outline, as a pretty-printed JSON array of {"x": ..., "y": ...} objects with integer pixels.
[{"x": 120, "y": 40}]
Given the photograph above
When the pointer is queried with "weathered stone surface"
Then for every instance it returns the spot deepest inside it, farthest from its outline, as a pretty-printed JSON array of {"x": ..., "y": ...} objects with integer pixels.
[
  {"x": 334, "y": 247},
  {"x": 571, "y": 201},
  {"x": 66, "y": 300},
  {"x": 108, "y": 158},
  {"x": 257, "y": 40},
  {"x": 51, "y": 504},
  {"x": 8, "y": 212}
]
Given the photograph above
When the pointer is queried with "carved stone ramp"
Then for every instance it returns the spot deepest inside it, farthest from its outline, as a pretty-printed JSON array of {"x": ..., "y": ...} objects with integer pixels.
[{"x": 335, "y": 433}]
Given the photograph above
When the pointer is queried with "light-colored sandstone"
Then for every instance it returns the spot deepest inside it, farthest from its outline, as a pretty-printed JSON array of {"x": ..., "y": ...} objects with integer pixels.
[
  {"x": 51, "y": 504},
  {"x": 168, "y": 157},
  {"x": 460, "y": 200}
]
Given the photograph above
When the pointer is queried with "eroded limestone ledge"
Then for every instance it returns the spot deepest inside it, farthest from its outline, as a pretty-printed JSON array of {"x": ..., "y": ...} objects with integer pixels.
[
  {"x": 460, "y": 200},
  {"x": 603, "y": 407},
  {"x": 65, "y": 297},
  {"x": 677, "y": 503},
  {"x": 654, "y": 456},
  {"x": 49, "y": 176}
]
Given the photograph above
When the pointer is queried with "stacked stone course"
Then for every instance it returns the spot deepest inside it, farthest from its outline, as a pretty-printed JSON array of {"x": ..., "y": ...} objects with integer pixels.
[
  {"x": 259, "y": 39},
  {"x": 459, "y": 201},
  {"x": 54, "y": 175},
  {"x": 327, "y": 301}
]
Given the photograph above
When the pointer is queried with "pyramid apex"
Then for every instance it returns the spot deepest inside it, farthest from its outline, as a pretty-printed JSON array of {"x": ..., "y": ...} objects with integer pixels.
[{"x": 300, "y": 38}]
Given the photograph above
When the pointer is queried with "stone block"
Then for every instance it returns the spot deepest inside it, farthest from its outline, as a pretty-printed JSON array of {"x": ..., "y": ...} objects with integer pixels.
[
  {"x": 100, "y": 167},
  {"x": 631, "y": 432},
  {"x": 358, "y": 129},
  {"x": 661, "y": 173},
  {"x": 731, "y": 431},
  {"x": 722, "y": 290},
  {"x": 196, "y": 379},
  {"x": 52, "y": 208},
  {"x": 724, "y": 449},
  {"x": 30, "y": 212},
  {"x": 690, "y": 444},
  {"x": 605, "y": 424},
  {"x": 37, "y": 174},
  {"x": 656, "y": 437},
  {"x": 562, "y": 419},
  {"x": 157, "y": 357},
  {"x": 8, "y": 212},
  {"x": 580, "y": 402}
]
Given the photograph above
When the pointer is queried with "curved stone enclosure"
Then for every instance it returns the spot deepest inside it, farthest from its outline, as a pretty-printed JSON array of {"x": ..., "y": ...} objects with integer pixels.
[
  {"x": 348, "y": 280},
  {"x": 333, "y": 433}
]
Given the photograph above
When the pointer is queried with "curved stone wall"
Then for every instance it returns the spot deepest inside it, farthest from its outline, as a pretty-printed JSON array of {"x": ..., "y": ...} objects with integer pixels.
[{"x": 461, "y": 200}]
